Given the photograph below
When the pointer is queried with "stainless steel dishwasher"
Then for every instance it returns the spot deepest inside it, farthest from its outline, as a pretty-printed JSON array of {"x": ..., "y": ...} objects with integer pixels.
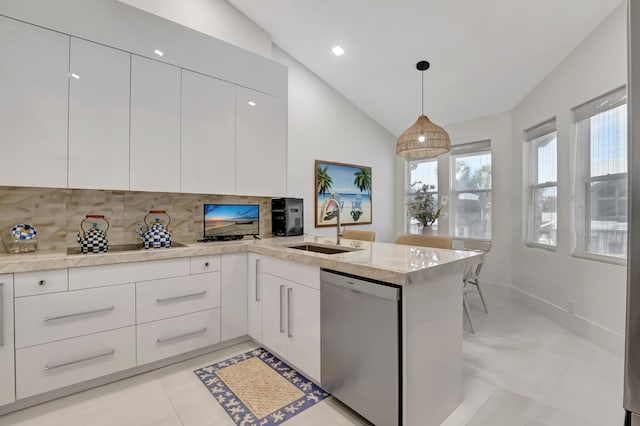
[{"x": 361, "y": 346}]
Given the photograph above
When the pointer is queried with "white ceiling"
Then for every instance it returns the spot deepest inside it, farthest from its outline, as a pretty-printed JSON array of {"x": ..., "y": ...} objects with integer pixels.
[{"x": 485, "y": 55}]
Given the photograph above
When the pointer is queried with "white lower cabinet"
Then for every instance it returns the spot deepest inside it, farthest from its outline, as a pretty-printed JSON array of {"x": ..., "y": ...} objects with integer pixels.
[
  {"x": 233, "y": 311},
  {"x": 303, "y": 329},
  {"x": 82, "y": 323},
  {"x": 54, "y": 365},
  {"x": 7, "y": 374},
  {"x": 291, "y": 323},
  {"x": 173, "y": 336}
]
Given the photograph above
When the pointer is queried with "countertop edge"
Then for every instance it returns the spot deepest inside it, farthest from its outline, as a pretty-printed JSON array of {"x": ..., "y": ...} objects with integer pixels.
[{"x": 414, "y": 266}]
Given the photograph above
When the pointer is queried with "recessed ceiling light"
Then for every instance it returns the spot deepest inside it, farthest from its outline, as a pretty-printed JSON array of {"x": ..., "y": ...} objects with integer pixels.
[
  {"x": 337, "y": 50},
  {"x": 76, "y": 76},
  {"x": 251, "y": 103},
  {"x": 158, "y": 52}
]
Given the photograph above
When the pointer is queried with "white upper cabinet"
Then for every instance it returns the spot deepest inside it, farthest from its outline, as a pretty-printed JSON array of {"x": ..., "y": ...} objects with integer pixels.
[
  {"x": 98, "y": 116},
  {"x": 261, "y": 143},
  {"x": 155, "y": 126},
  {"x": 208, "y": 160},
  {"x": 33, "y": 105}
]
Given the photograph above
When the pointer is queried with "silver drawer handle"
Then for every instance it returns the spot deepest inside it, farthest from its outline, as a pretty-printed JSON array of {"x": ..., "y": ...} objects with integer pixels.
[
  {"x": 258, "y": 275},
  {"x": 282, "y": 309},
  {"x": 76, "y": 361},
  {"x": 180, "y": 336},
  {"x": 289, "y": 312},
  {"x": 1, "y": 314},
  {"x": 77, "y": 314},
  {"x": 184, "y": 296}
]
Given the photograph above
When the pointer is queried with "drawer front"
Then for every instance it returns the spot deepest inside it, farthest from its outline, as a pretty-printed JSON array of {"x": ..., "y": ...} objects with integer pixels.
[
  {"x": 41, "y": 282},
  {"x": 121, "y": 273},
  {"x": 54, "y": 365},
  {"x": 56, "y": 316},
  {"x": 171, "y": 297},
  {"x": 165, "y": 338},
  {"x": 203, "y": 264},
  {"x": 302, "y": 274}
]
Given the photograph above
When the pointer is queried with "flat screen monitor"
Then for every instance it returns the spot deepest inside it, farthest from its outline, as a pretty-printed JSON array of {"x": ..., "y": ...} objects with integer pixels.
[{"x": 231, "y": 221}]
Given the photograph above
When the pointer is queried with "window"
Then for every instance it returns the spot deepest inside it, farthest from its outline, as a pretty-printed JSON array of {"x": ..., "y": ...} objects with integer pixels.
[
  {"x": 421, "y": 172},
  {"x": 543, "y": 184},
  {"x": 471, "y": 190},
  {"x": 601, "y": 184}
]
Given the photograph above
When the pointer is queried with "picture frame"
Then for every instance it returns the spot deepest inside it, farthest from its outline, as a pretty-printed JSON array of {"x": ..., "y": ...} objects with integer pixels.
[{"x": 350, "y": 186}]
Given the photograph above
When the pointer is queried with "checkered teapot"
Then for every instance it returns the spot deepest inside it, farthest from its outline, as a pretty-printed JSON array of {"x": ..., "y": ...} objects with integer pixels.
[
  {"x": 93, "y": 240},
  {"x": 156, "y": 235}
]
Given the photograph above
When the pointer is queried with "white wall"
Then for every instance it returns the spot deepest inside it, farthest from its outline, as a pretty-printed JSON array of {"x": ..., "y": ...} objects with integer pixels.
[
  {"x": 324, "y": 125},
  {"x": 550, "y": 281},
  {"x": 496, "y": 128},
  {"x": 216, "y": 18}
]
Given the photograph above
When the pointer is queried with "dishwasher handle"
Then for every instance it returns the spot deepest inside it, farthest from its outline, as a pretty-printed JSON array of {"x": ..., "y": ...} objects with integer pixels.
[{"x": 360, "y": 285}]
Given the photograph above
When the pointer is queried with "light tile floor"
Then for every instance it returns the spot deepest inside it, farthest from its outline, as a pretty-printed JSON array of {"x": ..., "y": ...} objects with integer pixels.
[{"x": 519, "y": 369}]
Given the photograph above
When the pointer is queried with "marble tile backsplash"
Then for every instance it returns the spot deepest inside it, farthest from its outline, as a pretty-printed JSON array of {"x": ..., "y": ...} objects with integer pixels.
[{"x": 57, "y": 213}]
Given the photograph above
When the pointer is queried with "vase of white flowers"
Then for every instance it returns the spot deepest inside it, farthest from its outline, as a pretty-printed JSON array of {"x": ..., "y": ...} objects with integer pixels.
[{"x": 423, "y": 206}]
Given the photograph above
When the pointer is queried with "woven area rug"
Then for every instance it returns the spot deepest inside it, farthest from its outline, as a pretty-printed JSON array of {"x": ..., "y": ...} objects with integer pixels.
[{"x": 257, "y": 388}]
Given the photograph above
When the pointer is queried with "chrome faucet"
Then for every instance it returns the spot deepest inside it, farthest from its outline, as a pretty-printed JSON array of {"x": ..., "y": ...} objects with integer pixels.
[{"x": 338, "y": 233}]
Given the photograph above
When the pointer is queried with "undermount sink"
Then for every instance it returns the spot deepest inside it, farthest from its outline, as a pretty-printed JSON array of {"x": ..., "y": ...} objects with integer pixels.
[
  {"x": 123, "y": 247},
  {"x": 320, "y": 249}
]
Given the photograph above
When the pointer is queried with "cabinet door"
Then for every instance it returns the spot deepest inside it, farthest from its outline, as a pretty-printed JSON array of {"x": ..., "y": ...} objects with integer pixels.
[
  {"x": 261, "y": 143},
  {"x": 274, "y": 315},
  {"x": 254, "y": 299},
  {"x": 233, "y": 312},
  {"x": 303, "y": 329},
  {"x": 155, "y": 126},
  {"x": 7, "y": 383},
  {"x": 208, "y": 148},
  {"x": 33, "y": 105},
  {"x": 98, "y": 117}
]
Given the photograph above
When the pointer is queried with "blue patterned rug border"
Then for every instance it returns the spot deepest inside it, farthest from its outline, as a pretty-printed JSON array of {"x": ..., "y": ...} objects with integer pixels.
[{"x": 238, "y": 411}]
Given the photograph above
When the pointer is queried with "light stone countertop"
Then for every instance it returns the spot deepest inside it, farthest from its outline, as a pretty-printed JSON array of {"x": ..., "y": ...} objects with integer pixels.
[{"x": 392, "y": 263}]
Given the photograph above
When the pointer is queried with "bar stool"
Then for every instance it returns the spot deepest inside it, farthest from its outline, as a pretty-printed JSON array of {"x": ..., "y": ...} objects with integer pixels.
[
  {"x": 354, "y": 234},
  {"x": 471, "y": 277},
  {"x": 435, "y": 241}
]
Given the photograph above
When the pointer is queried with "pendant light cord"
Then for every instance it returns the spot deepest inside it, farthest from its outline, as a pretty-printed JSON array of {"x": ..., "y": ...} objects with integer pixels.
[{"x": 422, "y": 93}]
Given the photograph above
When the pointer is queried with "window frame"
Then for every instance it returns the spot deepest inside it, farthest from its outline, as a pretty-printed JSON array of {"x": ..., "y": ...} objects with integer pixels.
[
  {"x": 533, "y": 136},
  {"x": 583, "y": 180},
  {"x": 407, "y": 192},
  {"x": 460, "y": 151}
]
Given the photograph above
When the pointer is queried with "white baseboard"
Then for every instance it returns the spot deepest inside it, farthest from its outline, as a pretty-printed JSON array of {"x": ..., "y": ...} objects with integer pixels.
[{"x": 595, "y": 333}]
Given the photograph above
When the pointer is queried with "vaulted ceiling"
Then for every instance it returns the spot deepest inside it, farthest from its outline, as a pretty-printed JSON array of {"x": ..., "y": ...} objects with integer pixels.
[{"x": 485, "y": 55}]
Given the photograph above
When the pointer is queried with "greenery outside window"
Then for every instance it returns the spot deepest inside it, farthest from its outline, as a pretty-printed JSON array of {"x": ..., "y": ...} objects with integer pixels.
[
  {"x": 471, "y": 190},
  {"x": 420, "y": 172}
]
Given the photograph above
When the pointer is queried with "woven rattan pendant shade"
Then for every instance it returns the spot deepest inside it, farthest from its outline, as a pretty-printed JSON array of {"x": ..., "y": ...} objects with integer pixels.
[
  {"x": 424, "y": 139},
  {"x": 435, "y": 140}
]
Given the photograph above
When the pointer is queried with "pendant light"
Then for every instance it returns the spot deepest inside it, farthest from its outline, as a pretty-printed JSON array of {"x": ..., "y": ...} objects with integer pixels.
[{"x": 424, "y": 139}]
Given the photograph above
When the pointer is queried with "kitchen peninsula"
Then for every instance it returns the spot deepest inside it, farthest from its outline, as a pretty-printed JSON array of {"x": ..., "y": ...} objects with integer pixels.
[{"x": 225, "y": 298}]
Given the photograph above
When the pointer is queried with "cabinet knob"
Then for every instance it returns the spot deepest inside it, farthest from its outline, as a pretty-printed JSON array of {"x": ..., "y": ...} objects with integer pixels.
[
  {"x": 42, "y": 282},
  {"x": 206, "y": 264}
]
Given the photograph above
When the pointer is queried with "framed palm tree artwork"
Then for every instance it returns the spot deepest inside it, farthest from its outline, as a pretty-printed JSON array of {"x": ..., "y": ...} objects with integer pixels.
[{"x": 343, "y": 188}]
